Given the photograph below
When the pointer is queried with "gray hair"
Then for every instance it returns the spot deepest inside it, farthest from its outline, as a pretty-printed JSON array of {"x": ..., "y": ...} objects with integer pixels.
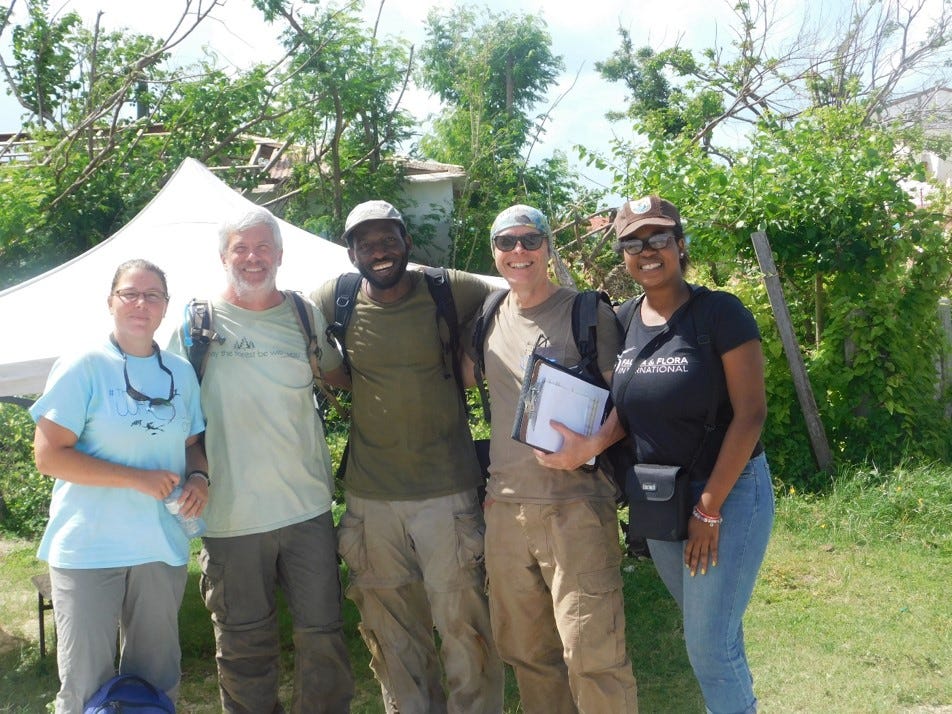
[{"x": 254, "y": 217}]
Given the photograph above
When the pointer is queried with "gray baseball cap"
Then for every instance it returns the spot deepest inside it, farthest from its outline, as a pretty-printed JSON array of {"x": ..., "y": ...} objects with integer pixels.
[
  {"x": 520, "y": 215},
  {"x": 371, "y": 211}
]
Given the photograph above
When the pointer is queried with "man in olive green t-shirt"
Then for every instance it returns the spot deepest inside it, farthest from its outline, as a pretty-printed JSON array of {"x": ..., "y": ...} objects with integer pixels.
[{"x": 412, "y": 534}]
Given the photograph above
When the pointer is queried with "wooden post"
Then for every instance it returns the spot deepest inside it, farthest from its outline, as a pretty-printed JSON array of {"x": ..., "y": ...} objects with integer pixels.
[
  {"x": 944, "y": 366},
  {"x": 801, "y": 381}
]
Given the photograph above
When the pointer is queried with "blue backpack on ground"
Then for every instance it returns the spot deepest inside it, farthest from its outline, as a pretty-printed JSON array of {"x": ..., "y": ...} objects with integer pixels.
[{"x": 129, "y": 693}]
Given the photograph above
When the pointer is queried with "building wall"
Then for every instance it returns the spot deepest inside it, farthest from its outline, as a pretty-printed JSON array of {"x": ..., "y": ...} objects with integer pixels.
[{"x": 427, "y": 209}]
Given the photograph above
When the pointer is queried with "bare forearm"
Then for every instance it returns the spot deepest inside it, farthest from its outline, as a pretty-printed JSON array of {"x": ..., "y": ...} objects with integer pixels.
[
  {"x": 195, "y": 459},
  {"x": 56, "y": 456},
  {"x": 577, "y": 449},
  {"x": 68, "y": 464}
]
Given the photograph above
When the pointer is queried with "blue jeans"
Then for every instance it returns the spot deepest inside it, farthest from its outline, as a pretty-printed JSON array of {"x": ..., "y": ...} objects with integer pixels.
[{"x": 713, "y": 605}]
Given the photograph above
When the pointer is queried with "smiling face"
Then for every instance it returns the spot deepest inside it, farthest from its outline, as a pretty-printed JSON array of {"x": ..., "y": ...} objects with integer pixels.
[
  {"x": 251, "y": 261},
  {"x": 654, "y": 267},
  {"x": 523, "y": 268},
  {"x": 380, "y": 252},
  {"x": 137, "y": 320}
]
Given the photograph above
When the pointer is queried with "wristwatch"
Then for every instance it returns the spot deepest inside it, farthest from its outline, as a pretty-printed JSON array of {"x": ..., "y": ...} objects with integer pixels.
[{"x": 199, "y": 472}]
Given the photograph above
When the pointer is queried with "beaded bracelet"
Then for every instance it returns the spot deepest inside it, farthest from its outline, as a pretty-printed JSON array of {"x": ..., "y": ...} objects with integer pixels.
[{"x": 704, "y": 518}]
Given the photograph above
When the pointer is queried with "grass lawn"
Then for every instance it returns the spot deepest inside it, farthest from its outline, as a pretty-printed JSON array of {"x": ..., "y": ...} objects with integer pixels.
[{"x": 851, "y": 614}]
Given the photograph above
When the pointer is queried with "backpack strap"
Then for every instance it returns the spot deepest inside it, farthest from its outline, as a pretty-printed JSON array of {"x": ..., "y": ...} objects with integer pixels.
[
  {"x": 198, "y": 332},
  {"x": 487, "y": 311},
  {"x": 584, "y": 333},
  {"x": 304, "y": 318},
  {"x": 438, "y": 283},
  {"x": 346, "y": 291},
  {"x": 345, "y": 298},
  {"x": 584, "y": 329},
  {"x": 702, "y": 333},
  {"x": 312, "y": 346}
]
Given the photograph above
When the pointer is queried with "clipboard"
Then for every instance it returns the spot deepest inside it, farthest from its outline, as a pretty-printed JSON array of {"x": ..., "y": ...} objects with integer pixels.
[{"x": 551, "y": 391}]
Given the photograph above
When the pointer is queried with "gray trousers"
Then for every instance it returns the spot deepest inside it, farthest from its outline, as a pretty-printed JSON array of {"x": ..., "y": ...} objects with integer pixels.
[
  {"x": 240, "y": 577},
  {"x": 142, "y": 602}
]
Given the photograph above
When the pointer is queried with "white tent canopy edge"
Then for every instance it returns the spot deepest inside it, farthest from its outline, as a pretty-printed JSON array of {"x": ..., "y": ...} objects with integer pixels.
[{"x": 178, "y": 231}]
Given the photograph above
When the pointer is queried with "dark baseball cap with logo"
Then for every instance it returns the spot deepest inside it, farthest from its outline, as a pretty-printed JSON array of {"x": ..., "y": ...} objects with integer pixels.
[{"x": 647, "y": 211}]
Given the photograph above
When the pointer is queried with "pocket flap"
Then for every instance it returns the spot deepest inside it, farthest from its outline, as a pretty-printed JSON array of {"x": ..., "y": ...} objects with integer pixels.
[{"x": 651, "y": 482}]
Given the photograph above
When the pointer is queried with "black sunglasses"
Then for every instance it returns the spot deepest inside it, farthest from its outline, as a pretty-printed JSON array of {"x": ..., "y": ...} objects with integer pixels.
[
  {"x": 157, "y": 405},
  {"x": 658, "y": 241},
  {"x": 530, "y": 241}
]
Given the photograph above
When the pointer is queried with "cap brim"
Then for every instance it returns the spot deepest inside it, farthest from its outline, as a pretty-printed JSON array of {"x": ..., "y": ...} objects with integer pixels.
[
  {"x": 653, "y": 221},
  {"x": 348, "y": 234}
]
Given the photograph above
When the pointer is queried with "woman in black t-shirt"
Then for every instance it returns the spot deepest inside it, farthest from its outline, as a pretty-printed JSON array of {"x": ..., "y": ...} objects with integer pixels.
[{"x": 664, "y": 395}]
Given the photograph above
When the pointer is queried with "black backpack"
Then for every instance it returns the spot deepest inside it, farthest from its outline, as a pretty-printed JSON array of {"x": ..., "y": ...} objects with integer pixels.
[
  {"x": 438, "y": 283},
  {"x": 614, "y": 460}
]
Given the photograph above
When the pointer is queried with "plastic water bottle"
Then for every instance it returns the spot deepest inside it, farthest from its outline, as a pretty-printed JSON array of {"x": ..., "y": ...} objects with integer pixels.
[{"x": 194, "y": 526}]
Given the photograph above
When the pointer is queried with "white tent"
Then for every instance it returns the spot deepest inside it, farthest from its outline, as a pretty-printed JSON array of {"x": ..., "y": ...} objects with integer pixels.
[{"x": 178, "y": 232}]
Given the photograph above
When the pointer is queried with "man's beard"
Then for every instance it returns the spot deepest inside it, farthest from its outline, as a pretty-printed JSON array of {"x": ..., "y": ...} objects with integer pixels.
[
  {"x": 244, "y": 289},
  {"x": 389, "y": 282}
]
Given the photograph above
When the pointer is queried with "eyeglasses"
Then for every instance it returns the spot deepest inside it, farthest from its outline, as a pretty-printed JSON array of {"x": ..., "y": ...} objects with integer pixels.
[
  {"x": 162, "y": 408},
  {"x": 152, "y": 297},
  {"x": 530, "y": 241},
  {"x": 658, "y": 241}
]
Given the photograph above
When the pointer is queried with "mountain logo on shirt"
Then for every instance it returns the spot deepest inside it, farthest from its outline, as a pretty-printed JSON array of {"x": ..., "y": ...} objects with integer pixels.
[{"x": 244, "y": 344}]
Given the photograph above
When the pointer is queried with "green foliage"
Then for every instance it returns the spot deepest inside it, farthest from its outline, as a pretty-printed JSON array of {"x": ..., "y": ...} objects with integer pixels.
[
  {"x": 855, "y": 566},
  {"x": 908, "y": 503},
  {"x": 43, "y": 56},
  {"x": 496, "y": 63},
  {"x": 24, "y": 493},
  {"x": 22, "y": 193},
  {"x": 92, "y": 169},
  {"x": 336, "y": 99},
  {"x": 100, "y": 162},
  {"x": 852, "y": 251},
  {"x": 489, "y": 70}
]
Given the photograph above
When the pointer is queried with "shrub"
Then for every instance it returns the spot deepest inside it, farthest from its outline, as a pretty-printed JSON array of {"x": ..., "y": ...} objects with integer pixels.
[{"x": 24, "y": 493}]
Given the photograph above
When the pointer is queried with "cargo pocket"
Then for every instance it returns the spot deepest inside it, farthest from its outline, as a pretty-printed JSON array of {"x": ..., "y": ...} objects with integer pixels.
[
  {"x": 211, "y": 584},
  {"x": 351, "y": 543},
  {"x": 601, "y": 609},
  {"x": 470, "y": 533}
]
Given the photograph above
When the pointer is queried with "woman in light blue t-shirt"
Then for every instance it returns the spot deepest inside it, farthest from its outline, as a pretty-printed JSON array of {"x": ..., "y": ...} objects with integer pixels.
[{"x": 118, "y": 429}]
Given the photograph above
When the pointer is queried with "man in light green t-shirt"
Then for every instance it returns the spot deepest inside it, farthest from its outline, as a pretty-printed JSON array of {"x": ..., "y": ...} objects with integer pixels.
[
  {"x": 269, "y": 514},
  {"x": 412, "y": 534}
]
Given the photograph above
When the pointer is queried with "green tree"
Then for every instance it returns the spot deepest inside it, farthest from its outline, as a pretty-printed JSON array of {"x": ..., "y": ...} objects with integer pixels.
[
  {"x": 821, "y": 172},
  {"x": 43, "y": 53},
  {"x": 342, "y": 88},
  {"x": 490, "y": 71},
  {"x": 119, "y": 119},
  {"x": 880, "y": 54}
]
